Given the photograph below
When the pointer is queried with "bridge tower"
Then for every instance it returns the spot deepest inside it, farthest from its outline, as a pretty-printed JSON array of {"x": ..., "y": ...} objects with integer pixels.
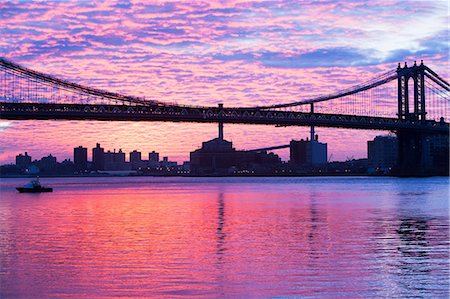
[
  {"x": 413, "y": 150},
  {"x": 416, "y": 73}
]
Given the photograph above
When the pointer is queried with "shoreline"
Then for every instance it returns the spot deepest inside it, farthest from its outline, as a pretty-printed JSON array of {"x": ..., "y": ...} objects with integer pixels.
[{"x": 220, "y": 176}]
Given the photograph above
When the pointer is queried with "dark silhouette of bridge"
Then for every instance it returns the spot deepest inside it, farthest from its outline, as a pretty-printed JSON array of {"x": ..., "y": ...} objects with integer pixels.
[{"x": 411, "y": 101}]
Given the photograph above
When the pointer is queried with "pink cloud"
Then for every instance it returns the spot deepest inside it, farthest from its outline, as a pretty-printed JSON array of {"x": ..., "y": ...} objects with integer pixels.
[{"x": 240, "y": 53}]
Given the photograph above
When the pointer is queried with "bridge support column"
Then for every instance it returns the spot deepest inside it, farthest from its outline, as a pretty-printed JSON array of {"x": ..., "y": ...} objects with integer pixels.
[
  {"x": 312, "y": 133},
  {"x": 220, "y": 125},
  {"x": 415, "y": 156},
  {"x": 220, "y": 130}
]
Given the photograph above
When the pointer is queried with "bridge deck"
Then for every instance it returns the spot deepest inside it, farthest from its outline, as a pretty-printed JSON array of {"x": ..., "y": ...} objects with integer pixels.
[{"x": 25, "y": 111}]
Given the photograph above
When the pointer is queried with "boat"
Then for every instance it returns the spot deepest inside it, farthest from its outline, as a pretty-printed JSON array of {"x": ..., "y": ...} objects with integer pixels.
[{"x": 34, "y": 186}]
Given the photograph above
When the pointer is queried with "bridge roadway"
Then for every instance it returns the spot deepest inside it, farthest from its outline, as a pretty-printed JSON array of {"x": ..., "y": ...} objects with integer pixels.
[{"x": 155, "y": 112}]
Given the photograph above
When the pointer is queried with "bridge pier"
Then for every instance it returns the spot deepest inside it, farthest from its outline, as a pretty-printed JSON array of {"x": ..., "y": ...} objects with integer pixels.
[{"x": 421, "y": 154}]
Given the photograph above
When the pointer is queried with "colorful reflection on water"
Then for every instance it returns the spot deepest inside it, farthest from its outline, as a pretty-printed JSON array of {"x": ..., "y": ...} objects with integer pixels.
[{"x": 226, "y": 237}]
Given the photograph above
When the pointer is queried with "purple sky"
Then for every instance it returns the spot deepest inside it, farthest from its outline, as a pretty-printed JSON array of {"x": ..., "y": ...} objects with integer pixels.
[{"x": 240, "y": 53}]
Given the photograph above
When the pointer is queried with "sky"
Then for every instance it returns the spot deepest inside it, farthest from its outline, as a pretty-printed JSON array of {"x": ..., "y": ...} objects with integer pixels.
[{"x": 239, "y": 53}]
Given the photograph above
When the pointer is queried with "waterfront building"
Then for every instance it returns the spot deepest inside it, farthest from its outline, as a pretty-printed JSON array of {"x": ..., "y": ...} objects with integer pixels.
[
  {"x": 308, "y": 152},
  {"x": 186, "y": 166},
  {"x": 382, "y": 152},
  {"x": 23, "y": 161},
  {"x": 136, "y": 160},
  {"x": 33, "y": 169},
  {"x": 153, "y": 156},
  {"x": 98, "y": 158},
  {"x": 80, "y": 158},
  {"x": 153, "y": 160},
  {"x": 48, "y": 161},
  {"x": 47, "y": 164},
  {"x": 66, "y": 167},
  {"x": 168, "y": 164},
  {"x": 218, "y": 156},
  {"x": 165, "y": 162},
  {"x": 115, "y": 160},
  {"x": 214, "y": 156}
]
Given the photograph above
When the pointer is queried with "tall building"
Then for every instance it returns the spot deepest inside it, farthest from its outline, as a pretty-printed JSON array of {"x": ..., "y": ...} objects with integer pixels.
[
  {"x": 80, "y": 158},
  {"x": 135, "y": 160},
  {"x": 153, "y": 159},
  {"x": 308, "y": 152},
  {"x": 98, "y": 158},
  {"x": 115, "y": 160},
  {"x": 153, "y": 156},
  {"x": 382, "y": 152},
  {"x": 47, "y": 164},
  {"x": 23, "y": 161}
]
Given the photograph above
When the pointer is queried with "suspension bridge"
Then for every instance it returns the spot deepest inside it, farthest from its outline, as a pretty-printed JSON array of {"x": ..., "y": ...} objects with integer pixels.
[{"x": 412, "y": 101}]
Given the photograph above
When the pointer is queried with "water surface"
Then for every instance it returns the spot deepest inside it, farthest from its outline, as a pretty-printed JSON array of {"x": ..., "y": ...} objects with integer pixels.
[{"x": 345, "y": 237}]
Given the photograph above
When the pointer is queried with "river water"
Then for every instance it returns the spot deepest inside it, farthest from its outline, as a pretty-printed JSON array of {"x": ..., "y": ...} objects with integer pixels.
[{"x": 321, "y": 237}]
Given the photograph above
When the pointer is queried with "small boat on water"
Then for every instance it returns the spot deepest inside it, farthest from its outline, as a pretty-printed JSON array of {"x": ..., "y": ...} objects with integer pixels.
[{"x": 34, "y": 186}]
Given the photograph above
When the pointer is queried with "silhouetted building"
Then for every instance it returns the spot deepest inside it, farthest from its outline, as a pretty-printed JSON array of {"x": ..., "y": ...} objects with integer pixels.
[
  {"x": 136, "y": 160},
  {"x": 115, "y": 160},
  {"x": 47, "y": 164},
  {"x": 186, "y": 166},
  {"x": 153, "y": 156},
  {"x": 10, "y": 169},
  {"x": 98, "y": 158},
  {"x": 66, "y": 167},
  {"x": 80, "y": 158},
  {"x": 214, "y": 156},
  {"x": 23, "y": 161},
  {"x": 49, "y": 160},
  {"x": 166, "y": 163},
  {"x": 382, "y": 152},
  {"x": 358, "y": 166},
  {"x": 218, "y": 156},
  {"x": 308, "y": 152},
  {"x": 153, "y": 160},
  {"x": 33, "y": 169}
]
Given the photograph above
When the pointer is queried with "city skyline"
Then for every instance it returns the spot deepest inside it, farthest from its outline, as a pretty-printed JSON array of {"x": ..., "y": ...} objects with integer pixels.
[
  {"x": 237, "y": 53},
  {"x": 90, "y": 153},
  {"x": 144, "y": 152}
]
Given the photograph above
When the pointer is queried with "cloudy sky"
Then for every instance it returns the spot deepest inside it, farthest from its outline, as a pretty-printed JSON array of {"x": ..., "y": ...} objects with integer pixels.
[{"x": 240, "y": 53}]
